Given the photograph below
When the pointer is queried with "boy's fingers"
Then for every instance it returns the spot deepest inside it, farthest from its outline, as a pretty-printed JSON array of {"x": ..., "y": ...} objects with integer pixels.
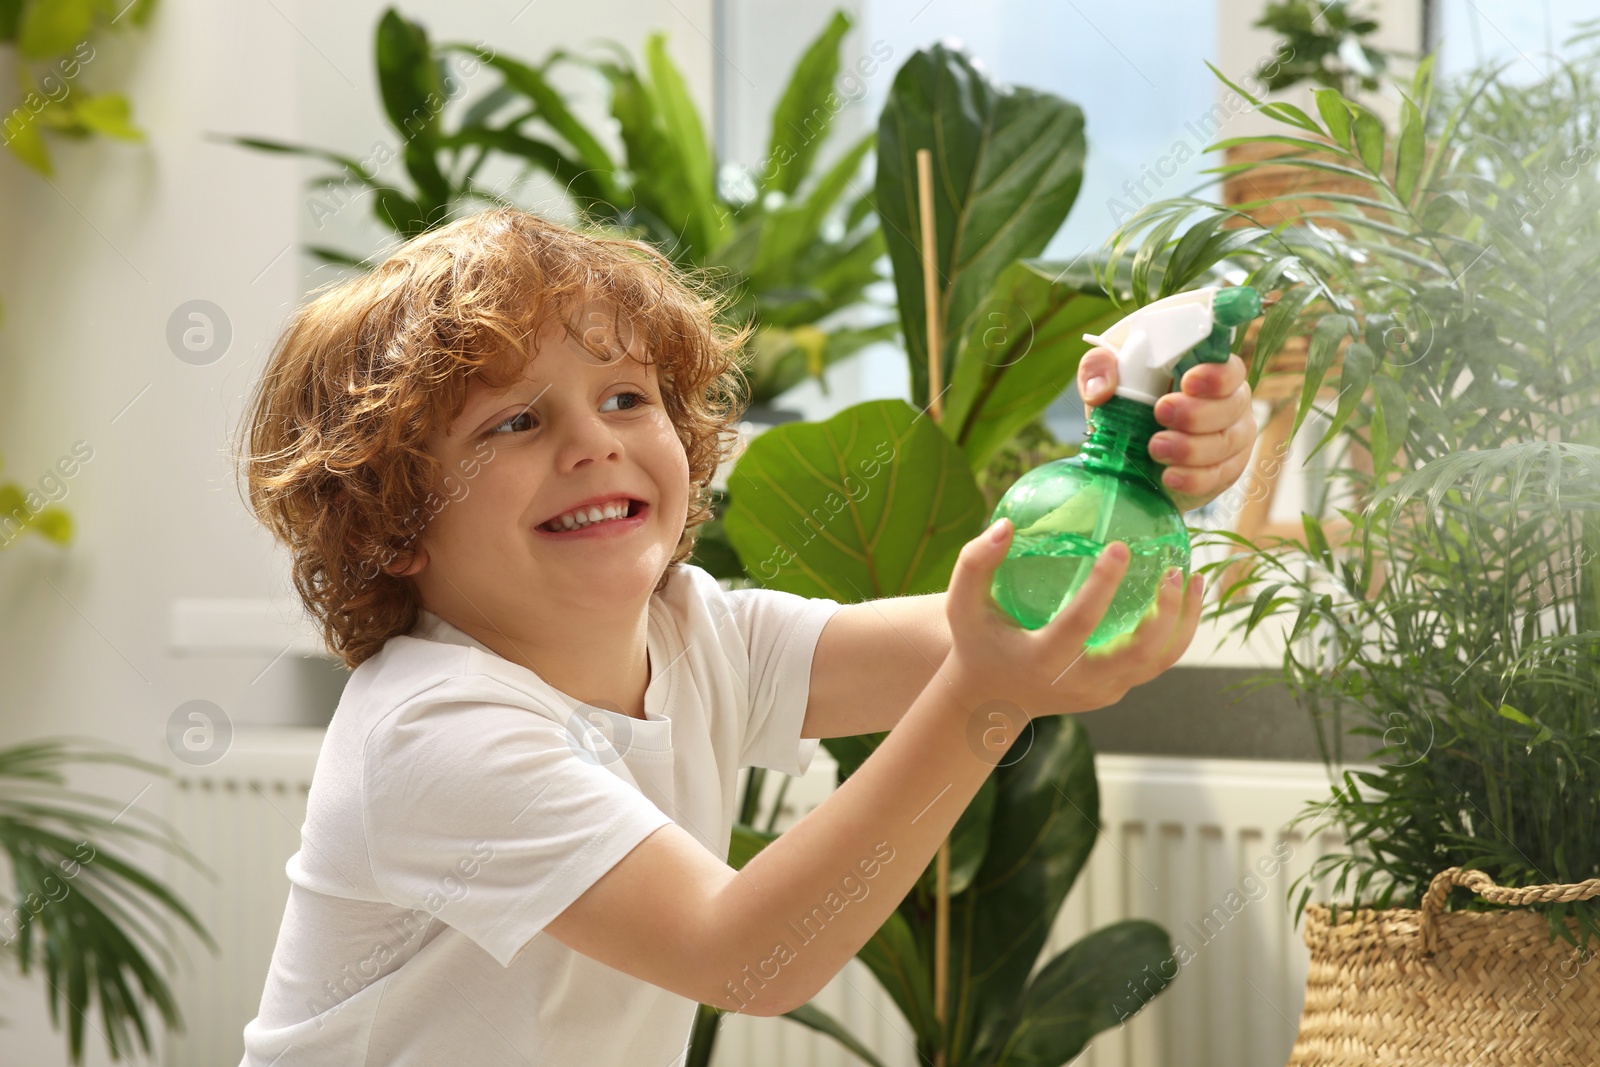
[
  {"x": 1075, "y": 622},
  {"x": 1188, "y": 622},
  {"x": 1176, "y": 448},
  {"x": 1214, "y": 379},
  {"x": 1097, "y": 377},
  {"x": 1204, "y": 414},
  {"x": 1154, "y": 632},
  {"x": 974, "y": 573}
]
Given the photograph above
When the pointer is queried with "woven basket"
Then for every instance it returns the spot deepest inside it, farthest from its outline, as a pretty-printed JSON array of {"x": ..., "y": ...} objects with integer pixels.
[{"x": 1450, "y": 989}]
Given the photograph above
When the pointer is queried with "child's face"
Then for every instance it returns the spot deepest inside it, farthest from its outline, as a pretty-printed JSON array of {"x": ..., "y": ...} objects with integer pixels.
[{"x": 580, "y": 425}]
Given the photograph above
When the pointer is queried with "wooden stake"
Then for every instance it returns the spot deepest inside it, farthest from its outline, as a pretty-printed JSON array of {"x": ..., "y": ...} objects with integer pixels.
[
  {"x": 930, "y": 284},
  {"x": 930, "y": 300}
]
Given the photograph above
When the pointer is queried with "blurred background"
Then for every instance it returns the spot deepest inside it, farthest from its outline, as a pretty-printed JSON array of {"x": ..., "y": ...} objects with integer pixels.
[{"x": 149, "y": 257}]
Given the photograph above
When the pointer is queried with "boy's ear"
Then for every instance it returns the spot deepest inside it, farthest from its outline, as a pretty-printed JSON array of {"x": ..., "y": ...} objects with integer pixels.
[{"x": 418, "y": 560}]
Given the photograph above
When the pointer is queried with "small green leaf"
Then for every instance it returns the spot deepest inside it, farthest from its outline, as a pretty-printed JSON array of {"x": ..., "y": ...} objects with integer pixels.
[
  {"x": 1264, "y": 605},
  {"x": 1232, "y": 86},
  {"x": 1369, "y": 140},
  {"x": 1408, "y": 153},
  {"x": 1390, "y": 420},
  {"x": 1289, "y": 113},
  {"x": 1316, "y": 541},
  {"x": 1325, "y": 338},
  {"x": 1355, "y": 373},
  {"x": 107, "y": 113},
  {"x": 1276, "y": 326},
  {"x": 745, "y": 842},
  {"x": 1509, "y": 712},
  {"x": 1331, "y": 106},
  {"x": 51, "y": 27},
  {"x": 25, "y": 143}
]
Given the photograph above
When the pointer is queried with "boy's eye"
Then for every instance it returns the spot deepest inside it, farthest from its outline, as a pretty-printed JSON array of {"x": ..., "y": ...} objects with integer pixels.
[
  {"x": 638, "y": 399},
  {"x": 518, "y": 416}
]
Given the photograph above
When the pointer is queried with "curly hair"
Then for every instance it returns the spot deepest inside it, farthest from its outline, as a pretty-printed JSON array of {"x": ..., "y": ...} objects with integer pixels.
[{"x": 369, "y": 367}]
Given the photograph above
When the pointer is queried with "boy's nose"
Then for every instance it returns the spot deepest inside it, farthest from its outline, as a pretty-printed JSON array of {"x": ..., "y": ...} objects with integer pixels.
[{"x": 588, "y": 436}]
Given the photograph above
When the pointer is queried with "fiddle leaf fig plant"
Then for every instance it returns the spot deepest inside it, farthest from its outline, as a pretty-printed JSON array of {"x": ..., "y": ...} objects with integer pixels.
[{"x": 877, "y": 501}]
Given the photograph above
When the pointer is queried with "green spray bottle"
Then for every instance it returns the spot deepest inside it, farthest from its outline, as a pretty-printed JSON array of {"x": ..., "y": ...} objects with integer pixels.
[{"x": 1065, "y": 511}]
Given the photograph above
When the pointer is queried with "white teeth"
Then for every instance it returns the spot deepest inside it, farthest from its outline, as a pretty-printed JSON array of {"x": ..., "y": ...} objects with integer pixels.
[{"x": 615, "y": 509}]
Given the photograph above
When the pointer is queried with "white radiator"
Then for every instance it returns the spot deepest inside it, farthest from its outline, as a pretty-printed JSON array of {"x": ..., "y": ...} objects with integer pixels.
[
  {"x": 241, "y": 816},
  {"x": 1179, "y": 836}
]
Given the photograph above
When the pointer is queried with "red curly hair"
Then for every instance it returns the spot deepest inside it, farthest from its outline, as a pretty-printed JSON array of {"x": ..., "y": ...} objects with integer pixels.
[{"x": 368, "y": 368}]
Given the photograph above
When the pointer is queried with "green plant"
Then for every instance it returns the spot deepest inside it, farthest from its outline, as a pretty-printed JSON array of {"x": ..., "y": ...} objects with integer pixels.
[
  {"x": 23, "y": 510},
  {"x": 1325, "y": 45},
  {"x": 50, "y": 39},
  {"x": 51, "y": 42},
  {"x": 778, "y": 239},
  {"x": 1460, "y": 623},
  {"x": 92, "y": 918},
  {"x": 878, "y": 500}
]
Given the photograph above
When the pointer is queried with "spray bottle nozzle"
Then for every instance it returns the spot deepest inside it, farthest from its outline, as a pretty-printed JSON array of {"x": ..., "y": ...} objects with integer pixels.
[{"x": 1156, "y": 345}]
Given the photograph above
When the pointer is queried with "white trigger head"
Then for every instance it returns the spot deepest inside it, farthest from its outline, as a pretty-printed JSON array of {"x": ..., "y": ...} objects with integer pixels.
[{"x": 1149, "y": 343}]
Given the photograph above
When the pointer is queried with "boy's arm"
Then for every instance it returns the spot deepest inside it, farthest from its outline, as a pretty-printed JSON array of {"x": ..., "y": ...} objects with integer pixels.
[
  {"x": 873, "y": 658},
  {"x": 767, "y": 937},
  {"x": 871, "y": 661}
]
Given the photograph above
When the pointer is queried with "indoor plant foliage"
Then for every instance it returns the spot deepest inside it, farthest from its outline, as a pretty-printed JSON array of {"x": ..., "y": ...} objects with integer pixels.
[
  {"x": 88, "y": 918},
  {"x": 1461, "y": 623},
  {"x": 878, "y": 500},
  {"x": 1325, "y": 40},
  {"x": 791, "y": 244}
]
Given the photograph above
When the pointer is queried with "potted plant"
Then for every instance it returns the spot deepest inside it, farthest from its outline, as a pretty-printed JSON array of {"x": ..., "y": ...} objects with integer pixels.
[
  {"x": 1323, "y": 43},
  {"x": 1460, "y": 625}
]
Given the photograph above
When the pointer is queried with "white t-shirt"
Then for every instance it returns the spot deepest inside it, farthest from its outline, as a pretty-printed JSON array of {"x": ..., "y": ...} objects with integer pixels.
[{"x": 460, "y": 803}]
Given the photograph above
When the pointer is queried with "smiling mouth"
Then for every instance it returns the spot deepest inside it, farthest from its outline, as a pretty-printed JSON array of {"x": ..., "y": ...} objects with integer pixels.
[{"x": 592, "y": 517}]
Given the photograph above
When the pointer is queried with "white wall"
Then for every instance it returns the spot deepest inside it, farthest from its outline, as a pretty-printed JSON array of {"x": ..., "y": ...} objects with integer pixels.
[{"x": 92, "y": 268}]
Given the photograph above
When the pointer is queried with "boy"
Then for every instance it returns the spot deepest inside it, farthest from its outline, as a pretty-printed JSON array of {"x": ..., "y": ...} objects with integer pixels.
[{"x": 488, "y": 458}]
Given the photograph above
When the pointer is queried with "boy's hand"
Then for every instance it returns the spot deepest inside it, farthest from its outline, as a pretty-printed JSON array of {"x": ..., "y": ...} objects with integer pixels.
[
  {"x": 1047, "y": 671},
  {"x": 1212, "y": 429}
]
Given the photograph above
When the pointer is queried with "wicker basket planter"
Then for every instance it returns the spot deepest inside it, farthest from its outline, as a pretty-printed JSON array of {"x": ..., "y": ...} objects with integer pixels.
[{"x": 1431, "y": 988}]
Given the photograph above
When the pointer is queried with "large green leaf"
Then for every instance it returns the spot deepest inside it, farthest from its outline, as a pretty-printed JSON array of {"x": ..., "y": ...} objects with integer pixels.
[
  {"x": 664, "y": 197},
  {"x": 820, "y": 1021},
  {"x": 789, "y": 230},
  {"x": 1007, "y": 163},
  {"x": 745, "y": 842},
  {"x": 801, "y": 120},
  {"x": 1046, "y": 819},
  {"x": 969, "y": 842},
  {"x": 904, "y": 970},
  {"x": 1085, "y": 990},
  {"x": 874, "y": 502},
  {"x": 1020, "y": 350},
  {"x": 681, "y": 130},
  {"x": 413, "y": 96},
  {"x": 553, "y": 111}
]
